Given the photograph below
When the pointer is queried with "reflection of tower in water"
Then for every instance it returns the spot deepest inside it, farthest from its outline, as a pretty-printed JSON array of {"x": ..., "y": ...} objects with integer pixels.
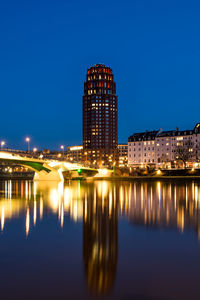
[{"x": 100, "y": 239}]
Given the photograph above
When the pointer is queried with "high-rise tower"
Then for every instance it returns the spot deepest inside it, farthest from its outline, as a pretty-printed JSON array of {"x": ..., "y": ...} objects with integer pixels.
[{"x": 100, "y": 135}]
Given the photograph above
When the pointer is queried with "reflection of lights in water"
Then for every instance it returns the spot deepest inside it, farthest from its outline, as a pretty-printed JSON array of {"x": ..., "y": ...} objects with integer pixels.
[
  {"x": 85, "y": 211},
  {"x": 104, "y": 188},
  {"x": 62, "y": 216},
  {"x": 35, "y": 213},
  {"x": 152, "y": 204},
  {"x": 163, "y": 196},
  {"x": 34, "y": 189},
  {"x": 196, "y": 194},
  {"x": 167, "y": 215},
  {"x": 79, "y": 190},
  {"x": 121, "y": 198},
  {"x": 27, "y": 221},
  {"x": 142, "y": 196},
  {"x": 170, "y": 190},
  {"x": 180, "y": 219},
  {"x": 175, "y": 198},
  {"x": 145, "y": 216},
  {"x": 54, "y": 199},
  {"x": 134, "y": 191},
  {"x": 75, "y": 211},
  {"x": 72, "y": 202},
  {"x": 100, "y": 240},
  {"x": 9, "y": 189},
  {"x": 151, "y": 197},
  {"x": 2, "y": 218},
  {"x": 186, "y": 196},
  {"x": 115, "y": 198},
  {"x": 192, "y": 190},
  {"x": 29, "y": 194},
  {"x": 60, "y": 189},
  {"x": 110, "y": 202},
  {"x": 6, "y": 190},
  {"x": 41, "y": 208},
  {"x": 129, "y": 197},
  {"x": 159, "y": 192},
  {"x": 67, "y": 196},
  {"x": 56, "y": 194},
  {"x": 126, "y": 199},
  {"x": 95, "y": 200},
  {"x": 16, "y": 188},
  {"x": 26, "y": 189}
]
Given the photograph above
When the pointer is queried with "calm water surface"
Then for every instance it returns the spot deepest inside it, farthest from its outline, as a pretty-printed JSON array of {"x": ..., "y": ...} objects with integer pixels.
[{"x": 93, "y": 240}]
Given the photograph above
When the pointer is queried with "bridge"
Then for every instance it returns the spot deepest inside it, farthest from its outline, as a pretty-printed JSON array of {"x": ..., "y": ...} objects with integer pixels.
[{"x": 46, "y": 169}]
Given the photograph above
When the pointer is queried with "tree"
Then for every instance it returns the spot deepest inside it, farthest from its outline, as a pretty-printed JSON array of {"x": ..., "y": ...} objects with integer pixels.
[
  {"x": 197, "y": 152},
  {"x": 184, "y": 151}
]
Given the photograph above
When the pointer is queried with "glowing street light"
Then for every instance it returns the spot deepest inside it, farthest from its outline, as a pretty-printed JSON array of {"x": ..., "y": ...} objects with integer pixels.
[
  {"x": 63, "y": 148},
  {"x": 35, "y": 149},
  {"x": 28, "y": 141},
  {"x": 2, "y": 144}
]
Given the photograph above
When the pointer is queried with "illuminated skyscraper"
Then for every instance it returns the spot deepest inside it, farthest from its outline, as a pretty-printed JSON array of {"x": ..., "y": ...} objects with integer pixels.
[{"x": 100, "y": 134}]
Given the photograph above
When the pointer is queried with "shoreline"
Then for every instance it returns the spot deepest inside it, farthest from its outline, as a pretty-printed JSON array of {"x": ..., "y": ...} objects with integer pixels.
[
  {"x": 29, "y": 176},
  {"x": 132, "y": 178}
]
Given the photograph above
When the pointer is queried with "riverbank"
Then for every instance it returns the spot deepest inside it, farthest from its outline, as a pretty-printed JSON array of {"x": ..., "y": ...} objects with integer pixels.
[
  {"x": 140, "y": 178},
  {"x": 30, "y": 176},
  {"x": 17, "y": 176}
]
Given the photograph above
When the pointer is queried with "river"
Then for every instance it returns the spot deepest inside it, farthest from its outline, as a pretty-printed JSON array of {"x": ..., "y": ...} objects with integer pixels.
[{"x": 100, "y": 239}]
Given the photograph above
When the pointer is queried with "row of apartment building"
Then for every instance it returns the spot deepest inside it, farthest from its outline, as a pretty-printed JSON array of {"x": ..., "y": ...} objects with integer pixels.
[{"x": 158, "y": 147}]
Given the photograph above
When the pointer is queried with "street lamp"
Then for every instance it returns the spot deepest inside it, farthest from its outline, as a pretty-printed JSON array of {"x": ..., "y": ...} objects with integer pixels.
[
  {"x": 63, "y": 148},
  {"x": 2, "y": 144},
  {"x": 35, "y": 149},
  {"x": 28, "y": 141}
]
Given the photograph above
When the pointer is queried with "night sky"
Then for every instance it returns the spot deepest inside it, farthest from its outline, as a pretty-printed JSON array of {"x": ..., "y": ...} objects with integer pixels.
[{"x": 46, "y": 47}]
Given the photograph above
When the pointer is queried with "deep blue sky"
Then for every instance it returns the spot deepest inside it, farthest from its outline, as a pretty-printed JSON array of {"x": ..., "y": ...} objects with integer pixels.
[{"x": 46, "y": 47}]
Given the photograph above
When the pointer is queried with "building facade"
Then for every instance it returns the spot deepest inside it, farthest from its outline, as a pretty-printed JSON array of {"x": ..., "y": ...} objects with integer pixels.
[
  {"x": 100, "y": 132},
  {"x": 164, "y": 147},
  {"x": 123, "y": 155},
  {"x": 74, "y": 153}
]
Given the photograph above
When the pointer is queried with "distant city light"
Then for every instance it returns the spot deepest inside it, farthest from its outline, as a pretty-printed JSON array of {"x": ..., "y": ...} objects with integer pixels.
[
  {"x": 63, "y": 148},
  {"x": 2, "y": 144},
  {"x": 28, "y": 141}
]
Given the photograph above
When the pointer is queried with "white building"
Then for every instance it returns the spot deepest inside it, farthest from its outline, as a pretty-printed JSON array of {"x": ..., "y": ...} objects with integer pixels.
[{"x": 157, "y": 147}]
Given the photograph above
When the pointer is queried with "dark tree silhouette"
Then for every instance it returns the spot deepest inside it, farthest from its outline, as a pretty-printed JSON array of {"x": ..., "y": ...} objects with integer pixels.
[{"x": 184, "y": 152}]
